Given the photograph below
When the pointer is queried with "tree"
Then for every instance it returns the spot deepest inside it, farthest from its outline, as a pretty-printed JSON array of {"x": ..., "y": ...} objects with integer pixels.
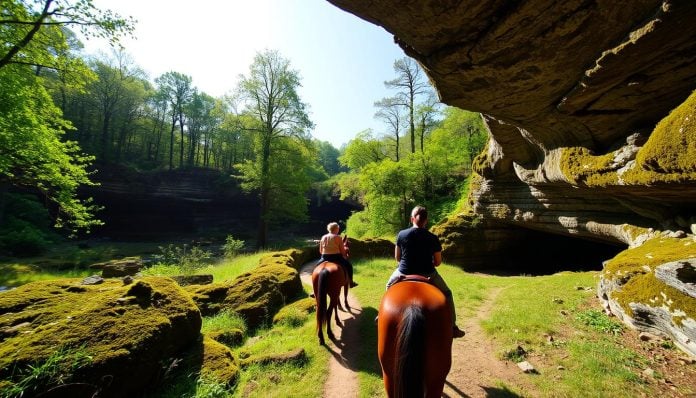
[
  {"x": 178, "y": 90},
  {"x": 409, "y": 82},
  {"x": 426, "y": 115},
  {"x": 269, "y": 94},
  {"x": 328, "y": 157},
  {"x": 33, "y": 30},
  {"x": 389, "y": 110},
  {"x": 33, "y": 153},
  {"x": 362, "y": 150}
]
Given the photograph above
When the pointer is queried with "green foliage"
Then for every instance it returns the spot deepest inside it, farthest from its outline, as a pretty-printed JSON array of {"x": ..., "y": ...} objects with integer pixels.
[
  {"x": 232, "y": 246},
  {"x": 598, "y": 320},
  {"x": 209, "y": 387},
  {"x": 26, "y": 229},
  {"x": 389, "y": 189},
  {"x": 32, "y": 153},
  {"x": 55, "y": 370},
  {"x": 186, "y": 260}
]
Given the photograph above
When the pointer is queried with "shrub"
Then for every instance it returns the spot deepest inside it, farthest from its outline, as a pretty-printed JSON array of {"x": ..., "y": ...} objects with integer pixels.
[
  {"x": 186, "y": 260},
  {"x": 232, "y": 246}
]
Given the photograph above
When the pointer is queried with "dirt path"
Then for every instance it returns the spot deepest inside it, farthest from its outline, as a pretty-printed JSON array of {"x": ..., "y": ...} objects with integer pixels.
[
  {"x": 342, "y": 380},
  {"x": 476, "y": 372}
]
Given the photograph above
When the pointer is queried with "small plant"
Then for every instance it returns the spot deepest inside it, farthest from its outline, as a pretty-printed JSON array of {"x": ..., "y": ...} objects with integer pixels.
[
  {"x": 598, "y": 320},
  {"x": 516, "y": 355},
  {"x": 294, "y": 317},
  {"x": 232, "y": 246},
  {"x": 55, "y": 370},
  {"x": 207, "y": 387},
  {"x": 187, "y": 260}
]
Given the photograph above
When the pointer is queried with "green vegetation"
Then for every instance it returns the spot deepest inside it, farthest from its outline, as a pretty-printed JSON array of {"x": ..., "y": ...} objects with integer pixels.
[
  {"x": 56, "y": 370},
  {"x": 232, "y": 246},
  {"x": 669, "y": 155},
  {"x": 389, "y": 187},
  {"x": 599, "y": 321}
]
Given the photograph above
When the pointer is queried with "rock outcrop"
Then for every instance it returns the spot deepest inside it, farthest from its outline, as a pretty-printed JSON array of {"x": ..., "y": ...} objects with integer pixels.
[
  {"x": 590, "y": 110},
  {"x": 111, "y": 339}
]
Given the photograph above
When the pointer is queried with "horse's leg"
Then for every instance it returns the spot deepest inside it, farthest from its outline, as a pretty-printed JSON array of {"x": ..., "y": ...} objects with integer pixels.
[
  {"x": 345, "y": 295},
  {"x": 332, "y": 306}
]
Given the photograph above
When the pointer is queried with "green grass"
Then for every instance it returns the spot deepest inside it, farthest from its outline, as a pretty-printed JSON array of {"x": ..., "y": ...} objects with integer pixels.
[
  {"x": 525, "y": 311},
  {"x": 17, "y": 274},
  {"x": 223, "y": 321},
  {"x": 287, "y": 380},
  {"x": 223, "y": 270}
]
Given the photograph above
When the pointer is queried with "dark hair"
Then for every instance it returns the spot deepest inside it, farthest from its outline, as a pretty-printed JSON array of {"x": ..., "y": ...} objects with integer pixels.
[{"x": 420, "y": 215}]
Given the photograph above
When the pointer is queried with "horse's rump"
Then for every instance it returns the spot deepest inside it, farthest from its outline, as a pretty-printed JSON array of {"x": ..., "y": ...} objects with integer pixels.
[{"x": 414, "y": 339}]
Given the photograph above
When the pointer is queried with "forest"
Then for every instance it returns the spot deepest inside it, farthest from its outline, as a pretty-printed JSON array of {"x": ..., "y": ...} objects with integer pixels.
[{"x": 66, "y": 115}]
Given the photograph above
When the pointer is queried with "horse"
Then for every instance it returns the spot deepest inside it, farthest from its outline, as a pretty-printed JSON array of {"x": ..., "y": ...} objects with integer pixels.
[
  {"x": 327, "y": 280},
  {"x": 414, "y": 339}
]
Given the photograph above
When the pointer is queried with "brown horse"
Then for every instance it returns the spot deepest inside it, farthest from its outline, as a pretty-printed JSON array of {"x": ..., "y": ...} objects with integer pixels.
[
  {"x": 414, "y": 339},
  {"x": 327, "y": 280}
]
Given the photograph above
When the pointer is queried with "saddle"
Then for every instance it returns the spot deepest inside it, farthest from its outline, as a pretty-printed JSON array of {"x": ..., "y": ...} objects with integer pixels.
[{"x": 413, "y": 278}]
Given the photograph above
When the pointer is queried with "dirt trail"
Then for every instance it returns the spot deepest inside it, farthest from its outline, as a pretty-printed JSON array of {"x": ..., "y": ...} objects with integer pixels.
[
  {"x": 343, "y": 379},
  {"x": 475, "y": 369}
]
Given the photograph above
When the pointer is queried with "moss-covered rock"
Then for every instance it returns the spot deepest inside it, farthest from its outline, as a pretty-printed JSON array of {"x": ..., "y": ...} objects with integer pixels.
[
  {"x": 255, "y": 295},
  {"x": 230, "y": 338},
  {"x": 218, "y": 362},
  {"x": 633, "y": 288},
  {"x": 128, "y": 331},
  {"x": 290, "y": 312},
  {"x": 370, "y": 248}
]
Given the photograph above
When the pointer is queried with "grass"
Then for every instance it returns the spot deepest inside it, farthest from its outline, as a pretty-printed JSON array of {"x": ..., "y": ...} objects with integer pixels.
[
  {"x": 551, "y": 317},
  {"x": 222, "y": 270},
  {"x": 556, "y": 319}
]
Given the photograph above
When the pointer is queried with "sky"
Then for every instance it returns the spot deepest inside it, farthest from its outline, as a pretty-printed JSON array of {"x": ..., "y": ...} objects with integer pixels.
[{"x": 343, "y": 61}]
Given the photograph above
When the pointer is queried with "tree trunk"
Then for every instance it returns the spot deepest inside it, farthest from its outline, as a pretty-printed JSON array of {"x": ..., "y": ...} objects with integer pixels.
[
  {"x": 171, "y": 143},
  {"x": 412, "y": 125},
  {"x": 181, "y": 146},
  {"x": 262, "y": 237}
]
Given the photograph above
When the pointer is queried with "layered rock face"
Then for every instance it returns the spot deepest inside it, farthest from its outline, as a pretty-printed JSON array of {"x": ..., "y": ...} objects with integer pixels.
[{"x": 590, "y": 111}]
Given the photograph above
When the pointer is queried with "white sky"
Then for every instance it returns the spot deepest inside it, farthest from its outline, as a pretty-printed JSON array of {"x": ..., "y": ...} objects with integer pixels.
[{"x": 343, "y": 61}]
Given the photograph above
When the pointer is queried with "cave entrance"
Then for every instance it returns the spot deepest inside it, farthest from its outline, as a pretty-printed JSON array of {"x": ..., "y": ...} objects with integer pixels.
[{"x": 543, "y": 253}]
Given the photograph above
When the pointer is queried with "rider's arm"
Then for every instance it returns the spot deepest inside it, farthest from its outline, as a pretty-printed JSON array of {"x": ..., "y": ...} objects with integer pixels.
[
  {"x": 437, "y": 258},
  {"x": 397, "y": 253}
]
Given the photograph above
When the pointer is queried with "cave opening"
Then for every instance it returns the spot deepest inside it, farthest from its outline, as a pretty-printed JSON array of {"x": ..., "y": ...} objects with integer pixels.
[{"x": 543, "y": 253}]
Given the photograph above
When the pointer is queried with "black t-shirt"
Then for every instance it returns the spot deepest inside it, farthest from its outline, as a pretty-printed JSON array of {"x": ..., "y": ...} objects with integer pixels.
[{"x": 417, "y": 248}]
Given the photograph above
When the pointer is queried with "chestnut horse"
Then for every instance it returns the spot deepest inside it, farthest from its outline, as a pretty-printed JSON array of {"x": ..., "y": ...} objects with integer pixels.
[
  {"x": 414, "y": 339},
  {"x": 327, "y": 280}
]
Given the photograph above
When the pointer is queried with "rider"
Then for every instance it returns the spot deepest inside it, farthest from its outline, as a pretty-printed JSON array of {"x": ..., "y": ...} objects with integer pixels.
[
  {"x": 418, "y": 251},
  {"x": 332, "y": 249}
]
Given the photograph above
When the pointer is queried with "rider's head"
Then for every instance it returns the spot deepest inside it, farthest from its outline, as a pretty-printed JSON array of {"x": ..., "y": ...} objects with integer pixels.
[
  {"x": 332, "y": 227},
  {"x": 419, "y": 216}
]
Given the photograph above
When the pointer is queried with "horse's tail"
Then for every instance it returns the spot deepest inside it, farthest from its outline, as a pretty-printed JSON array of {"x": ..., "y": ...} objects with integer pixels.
[
  {"x": 410, "y": 352},
  {"x": 322, "y": 295}
]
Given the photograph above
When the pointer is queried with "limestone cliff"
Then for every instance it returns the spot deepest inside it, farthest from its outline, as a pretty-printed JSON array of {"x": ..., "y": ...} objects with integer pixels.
[{"x": 590, "y": 110}]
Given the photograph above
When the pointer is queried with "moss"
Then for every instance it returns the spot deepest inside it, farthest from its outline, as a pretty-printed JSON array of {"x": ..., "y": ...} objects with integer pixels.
[
  {"x": 304, "y": 306},
  {"x": 669, "y": 155},
  {"x": 671, "y": 148},
  {"x": 127, "y": 329},
  {"x": 651, "y": 254},
  {"x": 647, "y": 289},
  {"x": 230, "y": 338},
  {"x": 635, "y": 269},
  {"x": 219, "y": 363},
  {"x": 255, "y": 295},
  {"x": 581, "y": 167}
]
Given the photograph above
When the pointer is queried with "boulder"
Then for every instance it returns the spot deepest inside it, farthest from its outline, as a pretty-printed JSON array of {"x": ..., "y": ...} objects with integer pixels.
[
  {"x": 185, "y": 280},
  {"x": 127, "y": 266},
  {"x": 255, "y": 295},
  {"x": 110, "y": 337},
  {"x": 647, "y": 288}
]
